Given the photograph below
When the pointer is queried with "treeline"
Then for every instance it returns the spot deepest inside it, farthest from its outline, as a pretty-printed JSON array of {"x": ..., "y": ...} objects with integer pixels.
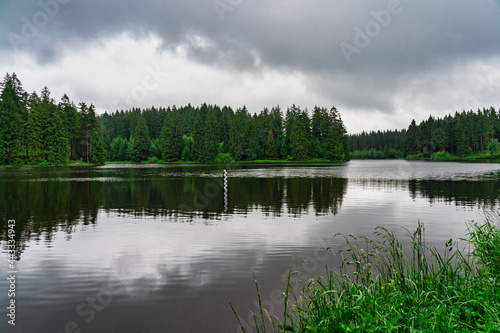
[
  {"x": 378, "y": 145},
  {"x": 463, "y": 134},
  {"x": 35, "y": 130},
  {"x": 209, "y": 133}
]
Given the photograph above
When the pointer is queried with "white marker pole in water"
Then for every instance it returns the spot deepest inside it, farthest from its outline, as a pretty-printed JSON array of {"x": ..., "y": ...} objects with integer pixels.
[{"x": 225, "y": 190}]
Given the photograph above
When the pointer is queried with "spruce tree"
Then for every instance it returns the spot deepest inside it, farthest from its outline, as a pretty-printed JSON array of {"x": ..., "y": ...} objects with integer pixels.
[
  {"x": 171, "y": 136},
  {"x": 71, "y": 120},
  {"x": 211, "y": 134},
  {"x": 411, "y": 143},
  {"x": 34, "y": 130},
  {"x": 57, "y": 143},
  {"x": 11, "y": 109},
  {"x": 270, "y": 152},
  {"x": 97, "y": 150},
  {"x": 198, "y": 138},
  {"x": 142, "y": 142}
]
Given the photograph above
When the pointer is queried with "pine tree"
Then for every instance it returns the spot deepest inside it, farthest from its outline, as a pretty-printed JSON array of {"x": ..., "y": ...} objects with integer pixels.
[
  {"x": 236, "y": 133},
  {"x": 316, "y": 123},
  {"x": 411, "y": 143},
  {"x": 71, "y": 120},
  {"x": 250, "y": 141},
  {"x": 329, "y": 134},
  {"x": 11, "y": 110},
  {"x": 270, "y": 152},
  {"x": 55, "y": 140},
  {"x": 57, "y": 143},
  {"x": 142, "y": 141},
  {"x": 211, "y": 134},
  {"x": 198, "y": 138},
  {"x": 298, "y": 132},
  {"x": 34, "y": 130},
  {"x": 97, "y": 151},
  {"x": 227, "y": 115},
  {"x": 171, "y": 136}
]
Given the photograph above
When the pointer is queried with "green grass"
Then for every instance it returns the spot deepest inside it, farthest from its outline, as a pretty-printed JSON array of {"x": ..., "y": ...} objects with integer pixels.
[
  {"x": 46, "y": 164},
  {"x": 444, "y": 156},
  {"x": 481, "y": 156},
  {"x": 383, "y": 287},
  {"x": 313, "y": 160}
]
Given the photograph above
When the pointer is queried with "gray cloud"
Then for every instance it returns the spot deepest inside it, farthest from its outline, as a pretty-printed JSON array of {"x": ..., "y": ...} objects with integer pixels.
[
  {"x": 296, "y": 34},
  {"x": 305, "y": 36}
]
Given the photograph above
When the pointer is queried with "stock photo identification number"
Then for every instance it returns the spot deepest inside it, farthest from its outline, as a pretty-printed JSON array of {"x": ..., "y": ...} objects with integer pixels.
[{"x": 11, "y": 272}]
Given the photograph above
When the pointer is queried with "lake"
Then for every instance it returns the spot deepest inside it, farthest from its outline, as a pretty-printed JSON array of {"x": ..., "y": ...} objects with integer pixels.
[{"x": 165, "y": 248}]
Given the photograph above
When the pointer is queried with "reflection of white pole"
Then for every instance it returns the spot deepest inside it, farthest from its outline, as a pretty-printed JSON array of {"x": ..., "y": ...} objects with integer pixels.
[{"x": 225, "y": 191}]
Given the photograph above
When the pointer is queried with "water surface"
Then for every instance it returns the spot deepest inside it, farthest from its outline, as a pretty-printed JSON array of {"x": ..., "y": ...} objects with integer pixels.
[{"x": 155, "y": 248}]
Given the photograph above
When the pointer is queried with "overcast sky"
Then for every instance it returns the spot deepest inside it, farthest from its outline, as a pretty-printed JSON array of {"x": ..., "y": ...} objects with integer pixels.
[{"x": 382, "y": 63}]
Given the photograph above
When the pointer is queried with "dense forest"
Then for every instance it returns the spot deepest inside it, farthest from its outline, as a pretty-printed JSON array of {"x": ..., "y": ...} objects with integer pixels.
[
  {"x": 212, "y": 134},
  {"x": 374, "y": 145},
  {"x": 35, "y": 130},
  {"x": 463, "y": 134}
]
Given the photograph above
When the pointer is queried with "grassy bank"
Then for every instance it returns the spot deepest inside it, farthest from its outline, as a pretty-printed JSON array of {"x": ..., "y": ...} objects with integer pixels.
[
  {"x": 156, "y": 161},
  {"x": 384, "y": 288},
  {"x": 444, "y": 156},
  {"x": 45, "y": 164}
]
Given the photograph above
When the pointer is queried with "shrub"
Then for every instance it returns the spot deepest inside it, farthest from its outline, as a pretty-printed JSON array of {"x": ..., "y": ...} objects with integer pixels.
[
  {"x": 153, "y": 159},
  {"x": 441, "y": 156},
  {"x": 494, "y": 147},
  {"x": 44, "y": 164},
  {"x": 223, "y": 158}
]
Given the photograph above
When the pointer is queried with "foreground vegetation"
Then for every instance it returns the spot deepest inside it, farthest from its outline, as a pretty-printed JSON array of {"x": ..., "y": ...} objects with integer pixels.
[{"x": 384, "y": 288}]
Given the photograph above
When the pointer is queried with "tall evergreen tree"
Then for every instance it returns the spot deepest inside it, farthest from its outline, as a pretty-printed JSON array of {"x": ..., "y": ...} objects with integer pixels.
[
  {"x": 98, "y": 152},
  {"x": 11, "y": 110},
  {"x": 198, "y": 138},
  {"x": 34, "y": 130},
  {"x": 71, "y": 120},
  {"x": 271, "y": 152},
  {"x": 142, "y": 141},
  {"x": 411, "y": 141},
  {"x": 171, "y": 136}
]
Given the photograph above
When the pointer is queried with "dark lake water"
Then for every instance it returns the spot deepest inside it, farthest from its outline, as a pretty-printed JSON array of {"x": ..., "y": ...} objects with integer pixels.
[{"x": 155, "y": 248}]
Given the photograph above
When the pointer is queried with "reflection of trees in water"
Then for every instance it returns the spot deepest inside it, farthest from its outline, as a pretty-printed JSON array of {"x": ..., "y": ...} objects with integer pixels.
[
  {"x": 483, "y": 193},
  {"x": 41, "y": 208},
  {"x": 461, "y": 193}
]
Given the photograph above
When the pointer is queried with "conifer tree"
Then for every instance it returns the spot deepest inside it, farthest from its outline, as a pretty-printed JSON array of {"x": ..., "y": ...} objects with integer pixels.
[
  {"x": 211, "y": 133},
  {"x": 142, "y": 141},
  {"x": 411, "y": 143},
  {"x": 171, "y": 136},
  {"x": 71, "y": 120},
  {"x": 11, "y": 109},
  {"x": 198, "y": 138},
  {"x": 97, "y": 151},
  {"x": 270, "y": 152},
  {"x": 34, "y": 130}
]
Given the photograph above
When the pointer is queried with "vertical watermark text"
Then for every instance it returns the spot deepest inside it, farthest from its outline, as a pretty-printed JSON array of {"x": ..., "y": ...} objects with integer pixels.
[{"x": 11, "y": 272}]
